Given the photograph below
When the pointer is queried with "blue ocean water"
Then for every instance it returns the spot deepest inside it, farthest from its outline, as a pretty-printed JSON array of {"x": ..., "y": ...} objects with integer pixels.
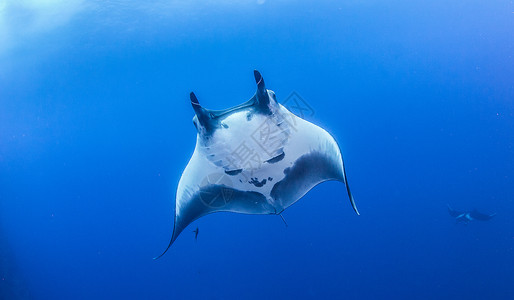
[{"x": 95, "y": 131}]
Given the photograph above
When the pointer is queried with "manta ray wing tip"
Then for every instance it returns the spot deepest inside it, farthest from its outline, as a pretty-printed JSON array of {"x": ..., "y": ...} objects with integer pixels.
[
  {"x": 355, "y": 207},
  {"x": 162, "y": 254},
  {"x": 172, "y": 240},
  {"x": 352, "y": 201},
  {"x": 157, "y": 257}
]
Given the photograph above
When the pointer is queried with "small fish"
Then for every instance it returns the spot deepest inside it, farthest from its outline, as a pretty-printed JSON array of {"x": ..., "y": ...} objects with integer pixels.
[{"x": 196, "y": 233}]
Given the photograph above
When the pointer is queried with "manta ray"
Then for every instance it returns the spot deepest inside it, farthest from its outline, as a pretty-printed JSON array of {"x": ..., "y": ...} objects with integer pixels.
[
  {"x": 466, "y": 217},
  {"x": 253, "y": 158}
]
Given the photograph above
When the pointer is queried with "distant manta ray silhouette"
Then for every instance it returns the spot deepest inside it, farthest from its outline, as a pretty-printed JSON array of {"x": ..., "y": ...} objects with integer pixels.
[
  {"x": 254, "y": 158},
  {"x": 466, "y": 217}
]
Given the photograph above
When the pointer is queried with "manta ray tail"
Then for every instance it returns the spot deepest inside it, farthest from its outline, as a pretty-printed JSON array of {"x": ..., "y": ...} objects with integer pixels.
[{"x": 284, "y": 220}]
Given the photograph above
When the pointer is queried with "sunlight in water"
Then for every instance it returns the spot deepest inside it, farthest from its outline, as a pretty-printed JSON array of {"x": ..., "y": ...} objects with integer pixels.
[{"x": 24, "y": 19}]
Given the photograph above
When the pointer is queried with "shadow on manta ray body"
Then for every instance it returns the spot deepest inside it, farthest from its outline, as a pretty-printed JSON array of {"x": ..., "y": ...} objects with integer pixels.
[
  {"x": 466, "y": 217},
  {"x": 254, "y": 158}
]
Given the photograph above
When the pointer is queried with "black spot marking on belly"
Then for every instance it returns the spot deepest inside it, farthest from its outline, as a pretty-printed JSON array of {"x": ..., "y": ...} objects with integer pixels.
[
  {"x": 233, "y": 172},
  {"x": 308, "y": 170},
  {"x": 276, "y": 158},
  {"x": 257, "y": 183}
]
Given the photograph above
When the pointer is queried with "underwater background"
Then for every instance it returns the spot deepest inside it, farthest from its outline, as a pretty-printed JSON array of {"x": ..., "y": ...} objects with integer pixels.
[{"x": 95, "y": 131}]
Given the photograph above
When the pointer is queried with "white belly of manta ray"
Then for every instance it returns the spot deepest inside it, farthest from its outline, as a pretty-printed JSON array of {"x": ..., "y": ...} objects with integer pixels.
[{"x": 255, "y": 158}]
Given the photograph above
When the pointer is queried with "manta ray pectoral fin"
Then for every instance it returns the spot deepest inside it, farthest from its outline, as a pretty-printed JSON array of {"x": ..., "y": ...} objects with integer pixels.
[
  {"x": 453, "y": 212},
  {"x": 476, "y": 215}
]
